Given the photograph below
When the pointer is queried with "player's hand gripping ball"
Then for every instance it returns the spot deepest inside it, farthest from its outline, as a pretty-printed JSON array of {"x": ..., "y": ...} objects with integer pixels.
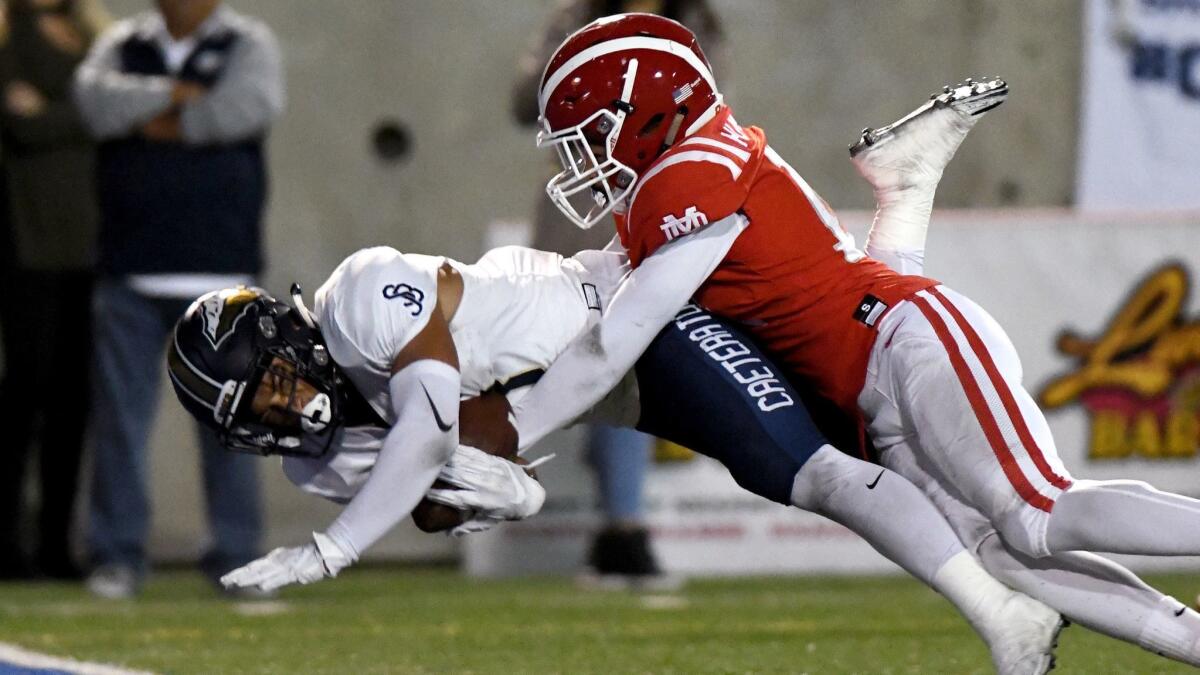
[{"x": 483, "y": 424}]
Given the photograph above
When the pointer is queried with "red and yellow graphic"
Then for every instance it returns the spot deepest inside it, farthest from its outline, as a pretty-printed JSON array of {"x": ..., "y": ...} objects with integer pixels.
[{"x": 1140, "y": 378}]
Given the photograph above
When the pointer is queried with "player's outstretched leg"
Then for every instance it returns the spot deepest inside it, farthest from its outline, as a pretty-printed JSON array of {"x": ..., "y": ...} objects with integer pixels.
[
  {"x": 1124, "y": 516},
  {"x": 904, "y": 161},
  {"x": 917, "y": 147},
  {"x": 1101, "y": 595},
  {"x": 777, "y": 452},
  {"x": 897, "y": 519}
]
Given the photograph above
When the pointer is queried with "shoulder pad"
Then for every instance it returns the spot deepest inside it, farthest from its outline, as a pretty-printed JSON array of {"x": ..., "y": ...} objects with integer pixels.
[
  {"x": 694, "y": 184},
  {"x": 374, "y": 303}
]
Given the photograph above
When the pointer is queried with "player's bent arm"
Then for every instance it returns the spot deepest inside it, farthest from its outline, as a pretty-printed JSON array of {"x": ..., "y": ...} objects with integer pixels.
[
  {"x": 597, "y": 359},
  {"x": 424, "y": 391}
]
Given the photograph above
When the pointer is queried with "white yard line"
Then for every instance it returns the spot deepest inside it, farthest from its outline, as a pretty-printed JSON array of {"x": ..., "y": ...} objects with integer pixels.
[{"x": 19, "y": 656}]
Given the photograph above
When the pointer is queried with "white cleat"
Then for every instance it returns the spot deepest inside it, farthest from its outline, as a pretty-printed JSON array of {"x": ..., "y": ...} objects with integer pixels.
[
  {"x": 1022, "y": 636},
  {"x": 914, "y": 150}
]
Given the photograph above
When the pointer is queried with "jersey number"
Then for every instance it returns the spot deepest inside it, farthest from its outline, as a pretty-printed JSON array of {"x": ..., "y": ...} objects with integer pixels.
[{"x": 845, "y": 241}]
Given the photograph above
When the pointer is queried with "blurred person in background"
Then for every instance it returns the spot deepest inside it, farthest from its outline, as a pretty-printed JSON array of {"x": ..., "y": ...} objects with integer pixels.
[
  {"x": 620, "y": 554},
  {"x": 181, "y": 99},
  {"x": 50, "y": 202}
]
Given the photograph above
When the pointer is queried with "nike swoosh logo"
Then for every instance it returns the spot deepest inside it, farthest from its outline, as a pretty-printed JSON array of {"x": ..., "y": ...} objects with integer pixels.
[
  {"x": 438, "y": 417},
  {"x": 872, "y": 484},
  {"x": 1181, "y": 611}
]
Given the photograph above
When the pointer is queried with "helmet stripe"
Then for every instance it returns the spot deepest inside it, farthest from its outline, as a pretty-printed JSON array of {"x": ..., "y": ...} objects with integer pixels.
[
  {"x": 182, "y": 387},
  {"x": 199, "y": 373},
  {"x": 190, "y": 379},
  {"x": 637, "y": 42}
]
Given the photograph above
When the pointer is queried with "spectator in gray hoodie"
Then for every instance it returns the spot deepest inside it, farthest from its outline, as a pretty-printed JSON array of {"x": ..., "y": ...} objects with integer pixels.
[{"x": 181, "y": 100}]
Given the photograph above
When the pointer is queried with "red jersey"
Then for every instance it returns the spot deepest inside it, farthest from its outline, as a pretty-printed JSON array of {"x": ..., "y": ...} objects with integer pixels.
[{"x": 794, "y": 277}]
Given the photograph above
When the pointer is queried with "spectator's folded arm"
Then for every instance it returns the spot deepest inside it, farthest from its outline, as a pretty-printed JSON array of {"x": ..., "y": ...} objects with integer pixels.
[
  {"x": 112, "y": 103},
  {"x": 245, "y": 100}
]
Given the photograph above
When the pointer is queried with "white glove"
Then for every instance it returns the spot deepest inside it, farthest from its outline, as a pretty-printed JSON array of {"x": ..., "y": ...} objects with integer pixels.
[
  {"x": 491, "y": 487},
  {"x": 291, "y": 565}
]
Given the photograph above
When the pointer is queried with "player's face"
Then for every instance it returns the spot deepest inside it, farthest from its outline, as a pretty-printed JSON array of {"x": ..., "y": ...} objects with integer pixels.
[{"x": 281, "y": 396}]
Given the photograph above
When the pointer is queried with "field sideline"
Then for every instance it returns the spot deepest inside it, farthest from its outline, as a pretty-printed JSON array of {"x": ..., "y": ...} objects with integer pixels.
[{"x": 406, "y": 620}]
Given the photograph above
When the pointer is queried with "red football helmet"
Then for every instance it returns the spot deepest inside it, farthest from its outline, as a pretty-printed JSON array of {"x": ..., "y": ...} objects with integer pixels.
[{"x": 624, "y": 87}]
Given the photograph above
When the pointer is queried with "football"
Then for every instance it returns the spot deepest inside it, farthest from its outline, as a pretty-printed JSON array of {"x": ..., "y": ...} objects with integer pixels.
[{"x": 482, "y": 423}]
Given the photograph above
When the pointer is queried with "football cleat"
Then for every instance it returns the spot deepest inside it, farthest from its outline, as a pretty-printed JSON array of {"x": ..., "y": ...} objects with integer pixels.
[
  {"x": 114, "y": 582},
  {"x": 1022, "y": 636},
  {"x": 916, "y": 148},
  {"x": 622, "y": 559}
]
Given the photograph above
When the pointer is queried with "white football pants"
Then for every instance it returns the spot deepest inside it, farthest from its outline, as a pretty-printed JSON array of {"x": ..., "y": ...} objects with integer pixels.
[{"x": 944, "y": 404}]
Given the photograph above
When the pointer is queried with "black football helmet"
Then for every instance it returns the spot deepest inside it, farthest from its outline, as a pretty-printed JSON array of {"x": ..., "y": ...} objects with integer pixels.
[{"x": 221, "y": 349}]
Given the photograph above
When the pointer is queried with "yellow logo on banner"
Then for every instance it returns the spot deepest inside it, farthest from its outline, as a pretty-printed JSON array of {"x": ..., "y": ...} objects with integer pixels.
[{"x": 1140, "y": 379}]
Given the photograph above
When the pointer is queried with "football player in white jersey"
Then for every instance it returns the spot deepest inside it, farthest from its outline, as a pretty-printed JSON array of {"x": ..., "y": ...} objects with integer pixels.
[{"x": 361, "y": 396}]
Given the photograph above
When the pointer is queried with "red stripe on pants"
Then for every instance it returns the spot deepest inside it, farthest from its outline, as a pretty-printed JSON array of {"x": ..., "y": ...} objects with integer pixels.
[
  {"x": 983, "y": 414},
  {"x": 1006, "y": 397}
]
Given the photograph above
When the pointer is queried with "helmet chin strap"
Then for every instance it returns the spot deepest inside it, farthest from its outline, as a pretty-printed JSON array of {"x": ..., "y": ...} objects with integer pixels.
[
  {"x": 316, "y": 415},
  {"x": 673, "y": 131}
]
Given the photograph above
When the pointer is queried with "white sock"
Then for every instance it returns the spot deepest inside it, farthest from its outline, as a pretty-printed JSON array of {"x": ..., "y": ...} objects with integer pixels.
[
  {"x": 969, "y": 587},
  {"x": 1173, "y": 631},
  {"x": 879, "y": 505}
]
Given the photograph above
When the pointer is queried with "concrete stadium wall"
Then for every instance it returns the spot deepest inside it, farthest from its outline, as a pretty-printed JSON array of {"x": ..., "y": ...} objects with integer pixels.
[{"x": 811, "y": 73}]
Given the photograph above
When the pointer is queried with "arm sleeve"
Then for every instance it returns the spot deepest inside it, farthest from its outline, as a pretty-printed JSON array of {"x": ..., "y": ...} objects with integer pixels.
[
  {"x": 112, "y": 103},
  {"x": 597, "y": 359},
  {"x": 425, "y": 403},
  {"x": 247, "y": 98}
]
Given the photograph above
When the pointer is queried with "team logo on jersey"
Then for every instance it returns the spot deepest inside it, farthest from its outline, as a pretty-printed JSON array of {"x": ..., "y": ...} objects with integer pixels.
[
  {"x": 1139, "y": 380},
  {"x": 411, "y": 297},
  {"x": 220, "y": 312},
  {"x": 689, "y": 222}
]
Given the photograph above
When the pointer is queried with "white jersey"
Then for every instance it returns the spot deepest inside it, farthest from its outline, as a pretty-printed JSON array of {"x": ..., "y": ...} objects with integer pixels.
[{"x": 520, "y": 309}]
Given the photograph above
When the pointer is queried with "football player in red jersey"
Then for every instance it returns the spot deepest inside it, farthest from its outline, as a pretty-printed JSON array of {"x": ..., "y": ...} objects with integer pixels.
[{"x": 707, "y": 210}]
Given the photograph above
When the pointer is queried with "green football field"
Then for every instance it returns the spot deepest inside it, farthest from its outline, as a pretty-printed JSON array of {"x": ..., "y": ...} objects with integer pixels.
[{"x": 420, "y": 620}]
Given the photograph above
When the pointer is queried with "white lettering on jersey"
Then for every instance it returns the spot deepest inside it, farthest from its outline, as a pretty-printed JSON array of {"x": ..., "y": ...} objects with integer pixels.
[
  {"x": 845, "y": 241},
  {"x": 733, "y": 132},
  {"x": 690, "y": 221}
]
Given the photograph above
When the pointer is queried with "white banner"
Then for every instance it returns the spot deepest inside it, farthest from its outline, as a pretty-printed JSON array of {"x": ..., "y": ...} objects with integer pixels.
[
  {"x": 1104, "y": 313},
  {"x": 1140, "y": 106}
]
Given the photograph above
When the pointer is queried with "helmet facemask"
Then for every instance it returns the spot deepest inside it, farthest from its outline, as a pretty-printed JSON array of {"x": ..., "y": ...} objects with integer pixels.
[
  {"x": 310, "y": 430},
  {"x": 223, "y": 350},
  {"x": 589, "y": 187}
]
